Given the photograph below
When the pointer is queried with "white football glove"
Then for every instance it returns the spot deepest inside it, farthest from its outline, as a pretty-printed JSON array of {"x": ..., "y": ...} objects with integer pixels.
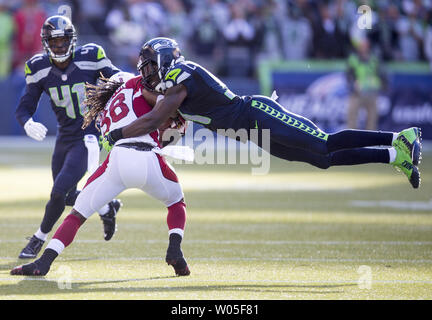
[{"x": 35, "y": 130}]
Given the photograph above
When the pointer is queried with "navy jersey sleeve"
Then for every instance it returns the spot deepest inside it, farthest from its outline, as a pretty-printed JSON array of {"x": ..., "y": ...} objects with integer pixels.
[
  {"x": 107, "y": 68},
  {"x": 102, "y": 64},
  {"x": 29, "y": 101},
  {"x": 180, "y": 73}
]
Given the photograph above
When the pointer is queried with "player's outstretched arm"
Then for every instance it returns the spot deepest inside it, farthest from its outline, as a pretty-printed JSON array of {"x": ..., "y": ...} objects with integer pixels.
[{"x": 154, "y": 119}]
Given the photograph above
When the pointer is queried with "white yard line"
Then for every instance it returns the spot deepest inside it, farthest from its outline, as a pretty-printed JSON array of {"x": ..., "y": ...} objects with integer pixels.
[
  {"x": 189, "y": 279},
  {"x": 264, "y": 259},
  {"x": 254, "y": 242},
  {"x": 393, "y": 204}
]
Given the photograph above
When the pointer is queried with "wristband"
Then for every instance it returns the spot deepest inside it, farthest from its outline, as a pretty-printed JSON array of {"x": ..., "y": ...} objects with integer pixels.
[{"x": 116, "y": 134}]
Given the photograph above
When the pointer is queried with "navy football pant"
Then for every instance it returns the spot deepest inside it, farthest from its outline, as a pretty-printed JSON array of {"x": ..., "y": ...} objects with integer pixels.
[
  {"x": 295, "y": 138},
  {"x": 68, "y": 165}
]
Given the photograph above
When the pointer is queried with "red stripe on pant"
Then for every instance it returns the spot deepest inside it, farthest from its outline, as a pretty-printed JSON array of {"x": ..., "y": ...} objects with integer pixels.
[
  {"x": 99, "y": 171},
  {"x": 167, "y": 172}
]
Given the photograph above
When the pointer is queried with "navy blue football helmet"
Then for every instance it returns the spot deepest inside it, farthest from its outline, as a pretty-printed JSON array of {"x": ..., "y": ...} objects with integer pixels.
[
  {"x": 156, "y": 57},
  {"x": 58, "y": 37}
]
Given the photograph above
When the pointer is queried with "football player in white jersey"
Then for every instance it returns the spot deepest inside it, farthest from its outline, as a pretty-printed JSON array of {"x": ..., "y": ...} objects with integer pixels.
[{"x": 132, "y": 163}]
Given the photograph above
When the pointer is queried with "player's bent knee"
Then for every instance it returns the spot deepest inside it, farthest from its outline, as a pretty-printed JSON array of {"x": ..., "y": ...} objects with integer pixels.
[
  {"x": 174, "y": 197},
  {"x": 83, "y": 205},
  {"x": 323, "y": 162},
  {"x": 323, "y": 166},
  {"x": 57, "y": 196},
  {"x": 78, "y": 215}
]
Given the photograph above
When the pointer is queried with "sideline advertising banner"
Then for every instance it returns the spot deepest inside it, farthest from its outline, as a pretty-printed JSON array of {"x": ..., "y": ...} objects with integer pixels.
[{"x": 319, "y": 90}]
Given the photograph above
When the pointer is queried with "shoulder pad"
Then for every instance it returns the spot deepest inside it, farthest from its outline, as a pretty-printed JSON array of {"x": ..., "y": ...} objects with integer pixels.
[
  {"x": 89, "y": 52},
  {"x": 37, "y": 68},
  {"x": 177, "y": 74},
  {"x": 36, "y": 63}
]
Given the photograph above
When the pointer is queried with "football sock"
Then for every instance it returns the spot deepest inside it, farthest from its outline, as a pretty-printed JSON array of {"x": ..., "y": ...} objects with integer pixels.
[
  {"x": 176, "y": 218},
  {"x": 40, "y": 235},
  {"x": 53, "y": 211},
  {"x": 359, "y": 156},
  {"x": 175, "y": 241},
  {"x": 46, "y": 259},
  {"x": 56, "y": 245},
  {"x": 395, "y": 135},
  {"x": 392, "y": 154},
  {"x": 66, "y": 231},
  {"x": 349, "y": 139}
]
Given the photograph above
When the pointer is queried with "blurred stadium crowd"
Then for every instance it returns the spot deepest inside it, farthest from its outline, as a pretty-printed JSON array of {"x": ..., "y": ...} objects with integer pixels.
[{"x": 228, "y": 37}]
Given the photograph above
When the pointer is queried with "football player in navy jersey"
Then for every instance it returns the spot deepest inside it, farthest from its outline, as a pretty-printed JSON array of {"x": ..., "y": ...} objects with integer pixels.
[
  {"x": 199, "y": 96},
  {"x": 62, "y": 73}
]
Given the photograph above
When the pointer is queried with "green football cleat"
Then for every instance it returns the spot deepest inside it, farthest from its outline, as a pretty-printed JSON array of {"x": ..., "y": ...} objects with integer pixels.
[
  {"x": 409, "y": 140},
  {"x": 404, "y": 163}
]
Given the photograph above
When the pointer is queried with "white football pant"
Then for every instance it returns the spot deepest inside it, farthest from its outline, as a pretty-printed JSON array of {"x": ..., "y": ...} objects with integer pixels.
[{"x": 127, "y": 168}]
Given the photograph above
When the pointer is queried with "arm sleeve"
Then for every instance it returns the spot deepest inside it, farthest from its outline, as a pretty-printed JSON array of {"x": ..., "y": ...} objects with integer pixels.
[
  {"x": 28, "y": 103},
  {"x": 109, "y": 69}
]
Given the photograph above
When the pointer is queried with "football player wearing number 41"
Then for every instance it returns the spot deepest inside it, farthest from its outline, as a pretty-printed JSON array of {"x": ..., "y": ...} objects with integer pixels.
[
  {"x": 132, "y": 163},
  {"x": 62, "y": 73}
]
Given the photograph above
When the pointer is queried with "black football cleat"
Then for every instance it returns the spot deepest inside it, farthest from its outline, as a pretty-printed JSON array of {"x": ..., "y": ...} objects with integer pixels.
[
  {"x": 30, "y": 269},
  {"x": 32, "y": 248},
  {"x": 109, "y": 219},
  {"x": 175, "y": 258}
]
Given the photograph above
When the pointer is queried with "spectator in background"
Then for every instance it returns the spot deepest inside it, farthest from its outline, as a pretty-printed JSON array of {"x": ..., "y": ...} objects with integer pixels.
[
  {"x": 268, "y": 19},
  {"x": 297, "y": 34},
  {"x": 53, "y": 7},
  {"x": 428, "y": 41},
  {"x": 151, "y": 16},
  {"x": 329, "y": 40},
  {"x": 176, "y": 20},
  {"x": 410, "y": 33},
  {"x": 92, "y": 17},
  {"x": 384, "y": 34},
  {"x": 239, "y": 37},
  {"x": 28, "y": 21},
  {"x": 204, "y": 41},
  {"x": 308, "y": 9},
  {"x": 219, "y": 11},
  {"x": 126, "y": 34},
  {"x": 207, "y": 20},
  {"x": 365, "y": 80},
  {"x": 6, "y": 31}
]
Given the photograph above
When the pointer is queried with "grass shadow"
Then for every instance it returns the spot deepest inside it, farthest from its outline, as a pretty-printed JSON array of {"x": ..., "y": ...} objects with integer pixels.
[{"x": 41, "y": 286}]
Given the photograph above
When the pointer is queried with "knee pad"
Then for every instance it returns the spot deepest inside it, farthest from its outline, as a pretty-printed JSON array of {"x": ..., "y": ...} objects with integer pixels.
[
  {"x": 71, "y": 197},
  {"x": 57, "y": 197}
]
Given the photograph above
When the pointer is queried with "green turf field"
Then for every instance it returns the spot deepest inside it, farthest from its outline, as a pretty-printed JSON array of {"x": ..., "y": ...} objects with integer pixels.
[{"x": 296, "y": 233}]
